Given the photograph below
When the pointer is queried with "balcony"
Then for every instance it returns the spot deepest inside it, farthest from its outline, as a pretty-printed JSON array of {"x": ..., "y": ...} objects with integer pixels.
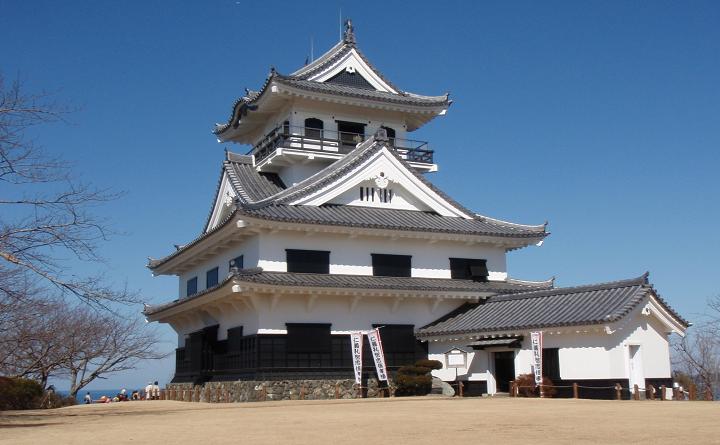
[{"x": 333, "y": 145}]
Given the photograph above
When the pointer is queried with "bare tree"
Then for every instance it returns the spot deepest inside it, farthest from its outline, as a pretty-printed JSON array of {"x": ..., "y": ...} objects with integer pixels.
[
  {"x": 698, "y": 353},
  {"x": 107, "y": 345},
  {"x": 45, "y": 213},
  {"x": 56, "y": 339}
]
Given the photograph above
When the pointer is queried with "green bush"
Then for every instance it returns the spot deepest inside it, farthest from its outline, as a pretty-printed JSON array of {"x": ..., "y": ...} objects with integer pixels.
[
  {"x": 19, "y": 394},
  {"x": 415, "y": 380},
  {"x": 432, "y": 364}
]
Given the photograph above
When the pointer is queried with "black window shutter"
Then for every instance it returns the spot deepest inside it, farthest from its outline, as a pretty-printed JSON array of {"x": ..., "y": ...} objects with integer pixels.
[
  {"x": 191, "y": 286},
  {"x": 211, "y": 278},
  {"x": 468, "y": 268},
  {"x": 308, "y": 337},
  {"x": 391, "y": 265},
  {"x": 308, "y": 261},
  {"x": 551, "y": 363},
  {"x": 236, "y": 262}
]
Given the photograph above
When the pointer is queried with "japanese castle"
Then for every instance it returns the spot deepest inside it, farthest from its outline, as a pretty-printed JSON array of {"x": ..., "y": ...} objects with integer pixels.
[{"x": 330, "y": 224}]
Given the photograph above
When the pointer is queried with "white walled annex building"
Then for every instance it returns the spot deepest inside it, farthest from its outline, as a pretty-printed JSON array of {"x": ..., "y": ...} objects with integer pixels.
[{"x": 329, "y": 225}]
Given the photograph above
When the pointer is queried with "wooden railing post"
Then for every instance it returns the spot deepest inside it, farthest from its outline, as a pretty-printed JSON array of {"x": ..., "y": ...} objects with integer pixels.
[
  {"x": 575, "y": 391},
  {"x": 302, "y": 393},
  {"x": 650, "y": 392},
  {"x": 460, "y": 386},
  {"x": 636, "y": 392},
  {"x": 693, "y": 392},
  {"x": 337, "y": 390},
  {"x": 708, "y": 394},
  {"x": 618, "y": 391},
  {"x": 663, "y": 389}
]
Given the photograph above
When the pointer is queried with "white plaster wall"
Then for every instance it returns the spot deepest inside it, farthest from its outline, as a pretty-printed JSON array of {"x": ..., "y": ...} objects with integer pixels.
[
  {"x": 352, "y": 256},
  {"x": 344, "y": 318},
  {"x": 373, "y": 119},
  {"x": 583, "y": 355},
  {"x": 248, "y": 248}
]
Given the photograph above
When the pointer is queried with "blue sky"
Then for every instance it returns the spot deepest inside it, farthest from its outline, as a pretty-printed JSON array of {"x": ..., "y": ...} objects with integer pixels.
[{"x": 601, "y": 117}]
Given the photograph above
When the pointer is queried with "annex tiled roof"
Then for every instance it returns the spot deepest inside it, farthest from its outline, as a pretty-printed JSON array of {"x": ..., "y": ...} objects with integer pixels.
[
  {"x": 570, "y": 306},
  {"x": 342, "y": 281}
]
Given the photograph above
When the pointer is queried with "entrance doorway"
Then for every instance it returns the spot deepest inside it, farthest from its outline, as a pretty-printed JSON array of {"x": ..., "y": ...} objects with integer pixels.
[
  {"x": 637, "y": 376},
  {"x": 504, "y": 370}
]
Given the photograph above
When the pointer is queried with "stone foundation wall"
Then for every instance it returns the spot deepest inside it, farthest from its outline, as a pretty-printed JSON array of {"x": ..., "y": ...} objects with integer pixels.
[{"x": 258, "y": 391}]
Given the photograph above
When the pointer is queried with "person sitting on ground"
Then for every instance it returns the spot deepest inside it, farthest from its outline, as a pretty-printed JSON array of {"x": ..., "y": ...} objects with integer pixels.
[{"x": 135, "y": 395}]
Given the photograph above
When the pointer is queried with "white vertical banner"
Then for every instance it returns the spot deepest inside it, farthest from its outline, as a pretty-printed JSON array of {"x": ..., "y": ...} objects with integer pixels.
[
  {"x": 377, "y": 353},
  {"x": 536, "y": 341},
  {"x": 356, "y": 342}
]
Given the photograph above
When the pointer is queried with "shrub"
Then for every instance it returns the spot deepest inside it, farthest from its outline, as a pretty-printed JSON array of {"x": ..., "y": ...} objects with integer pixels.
[
  {"x": 55, "y": 400},
  {"x": 527, "y": 388},
  {"x": 432, "y": 364},
  {"x": 19, "y": 394},
  {"x": 415, "y": 380}
]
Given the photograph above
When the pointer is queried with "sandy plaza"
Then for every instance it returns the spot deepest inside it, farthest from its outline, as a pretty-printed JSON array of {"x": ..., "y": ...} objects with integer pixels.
[{"x": 398, "y": 420}]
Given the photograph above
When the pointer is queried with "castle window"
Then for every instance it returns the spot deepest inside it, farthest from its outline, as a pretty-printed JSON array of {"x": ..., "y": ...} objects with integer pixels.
[
  {"x": 191, "y": 286},
  {"x": 370, "y": 194},
  {"x": 308, "y": 337},
  {"x": 236, "y": 262},
  {"x": 314, "y": 128},
  {"x": 351, "y": 133},
  {"x": 468, "y": 269},
  {"x": 211, "y": 278},
  {"x": 308, "y": 261},
  {"x": 551, "y": 363},
  {"x": 391, "y": 265}
]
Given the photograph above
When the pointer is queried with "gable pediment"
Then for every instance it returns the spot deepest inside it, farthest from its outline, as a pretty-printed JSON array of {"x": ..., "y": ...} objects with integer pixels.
[
  {"x": 383, "y": 181},
  {"x": 224, "y": 203},
  {"x": 352, "y": 67}
]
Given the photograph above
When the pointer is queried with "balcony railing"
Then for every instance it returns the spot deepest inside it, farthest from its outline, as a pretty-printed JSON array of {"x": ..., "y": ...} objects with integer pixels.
[{"x": 313, "y": 139}]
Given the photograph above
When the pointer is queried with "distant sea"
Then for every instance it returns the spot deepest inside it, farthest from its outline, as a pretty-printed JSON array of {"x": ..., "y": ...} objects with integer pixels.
[{"x": 97, "y": 393}]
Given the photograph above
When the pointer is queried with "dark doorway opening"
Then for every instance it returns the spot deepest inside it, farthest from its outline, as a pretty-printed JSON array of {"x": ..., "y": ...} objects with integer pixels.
[
  {"x": 504, "y": 370},
  {"x": 351, "y": 133}
]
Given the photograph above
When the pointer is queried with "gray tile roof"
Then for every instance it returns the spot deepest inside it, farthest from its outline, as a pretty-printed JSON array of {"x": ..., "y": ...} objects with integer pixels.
[
  {"x": 570, "y": 306},
  {"x": 263, "y": 196},
  {"x": 341, "y": 281},
  {"x": 363, "y": 93},
  {"x": 300, "y": 79}
]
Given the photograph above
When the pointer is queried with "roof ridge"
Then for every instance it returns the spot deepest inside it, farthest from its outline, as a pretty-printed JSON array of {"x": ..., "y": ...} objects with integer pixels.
[{"x": 630, "y": 282}]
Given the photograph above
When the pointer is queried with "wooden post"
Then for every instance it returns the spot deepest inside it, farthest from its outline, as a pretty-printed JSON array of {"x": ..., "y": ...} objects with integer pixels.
[
  {"x": 636, "y": 392},
  {"x": 693, "y": 392},
  {"x": 663, "y": 389},
  {"x": 460, "y": 386},
  {"x": 575, "y": 391},
  {"x": 708, "y": 394},
  {"x": 651, "y": 392},
  {"x": 302, "y": 393},
  {"x": 337, "y": 390},
  {"x": 618, "y": 391},
  {"x": 263, "y": 393}
]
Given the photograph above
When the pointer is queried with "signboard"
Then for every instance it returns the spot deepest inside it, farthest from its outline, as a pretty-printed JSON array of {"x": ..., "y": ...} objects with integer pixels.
[
  {"x": 536, "y": 341},
  {"x": 377, "y": 353},
  {"x": 456, "y": 358},
  {"x": 356, "y": 343}
]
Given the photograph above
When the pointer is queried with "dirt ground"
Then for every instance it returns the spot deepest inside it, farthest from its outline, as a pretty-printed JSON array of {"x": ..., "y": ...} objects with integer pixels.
[{"x": 415, "y": 421}]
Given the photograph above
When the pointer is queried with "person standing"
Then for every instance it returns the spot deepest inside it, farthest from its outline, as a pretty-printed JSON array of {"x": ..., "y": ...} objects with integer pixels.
[
  {"x": 148, "y": 391},
  {"x": 156, "y": 391},
  {"x": 88, "y": 398}
]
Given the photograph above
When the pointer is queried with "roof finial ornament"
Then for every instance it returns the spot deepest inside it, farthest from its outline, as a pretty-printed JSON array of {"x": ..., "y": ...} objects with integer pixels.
[
  {"x": 349, "y": 36},
  {"x": 381, "y": 135}
]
